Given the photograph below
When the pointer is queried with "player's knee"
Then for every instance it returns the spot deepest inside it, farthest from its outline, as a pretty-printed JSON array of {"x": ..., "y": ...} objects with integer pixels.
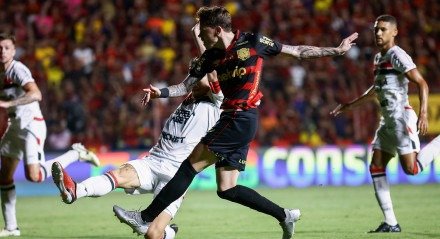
[
  {"x": 33, "y": 177},
  {"x": 410, "y": 170},
  {"x": 375, "y": 169},
  {"x": 6, "y": 181},
  {"x": 229, "y": 194},
  {"x": 154, "y": 233}
]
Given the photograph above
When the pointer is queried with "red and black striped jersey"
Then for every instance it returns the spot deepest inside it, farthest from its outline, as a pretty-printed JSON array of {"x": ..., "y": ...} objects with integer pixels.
[{"x": 239, "y": 68}]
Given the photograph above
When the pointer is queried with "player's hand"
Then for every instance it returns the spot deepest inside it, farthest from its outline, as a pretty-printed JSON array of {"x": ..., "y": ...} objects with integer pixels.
[
  {"x": 196, "y": 29},
  {"x": 422, "y": 124},
  {"x": 339, "y": 109},
  {"x": 348, "y": 42},
  {"x": 150, "y": 93},
  {"x": 4, "y": 104}
]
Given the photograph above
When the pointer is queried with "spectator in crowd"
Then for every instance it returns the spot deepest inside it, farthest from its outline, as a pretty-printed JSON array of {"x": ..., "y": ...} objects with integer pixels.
[{"x": 139, "y": 32}]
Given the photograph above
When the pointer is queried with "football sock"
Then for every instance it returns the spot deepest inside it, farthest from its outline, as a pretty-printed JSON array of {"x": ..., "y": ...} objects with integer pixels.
[
  {"x": 9, "y": 199},
  {"x": 64, "y": 159},
  {"x": 96, "y": 186},
  {"x": 383, "y": 196},
  {"x": 428, "y": 153},
  {"x": 174, "y": 189},
  {"x": 252, "y": 199},
  {"x": 169, "y": 233}
]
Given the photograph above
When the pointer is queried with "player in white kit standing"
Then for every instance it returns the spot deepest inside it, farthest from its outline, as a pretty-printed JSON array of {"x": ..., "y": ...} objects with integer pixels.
[
  {"x": 399, "y": 126},
  {"x": 25, "y": 134}
]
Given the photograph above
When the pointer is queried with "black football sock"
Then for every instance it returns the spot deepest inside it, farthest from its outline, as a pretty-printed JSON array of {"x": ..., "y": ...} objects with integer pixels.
[
  {"x": 175, "y": 188},
  {"x": 250, "y": 198}
]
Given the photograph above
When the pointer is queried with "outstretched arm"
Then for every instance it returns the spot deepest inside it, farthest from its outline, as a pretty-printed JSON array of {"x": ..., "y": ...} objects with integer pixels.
[
  {"x": 310, "y": 52},
  {"x": 415, "y": 76},
  {"x": 170, "y": 91},
  {"x": 368, "y": 95}
]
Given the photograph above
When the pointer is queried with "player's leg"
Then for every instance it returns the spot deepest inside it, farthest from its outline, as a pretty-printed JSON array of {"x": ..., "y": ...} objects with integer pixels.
[
  {"x": 408, "y": 143},
  {"x": 8, "y": 196},
  {"x": 382, "y": 191},
  {"x": 228, "y": 189},
  {"x": 11, "y": 149},
  {"x": 97, "y": 186},
  {"x": 78, "y": 152},
  {"x": 429, "y": 153},
  {"x": 37, "y": 169},
  {"x": 411, "y": 161},
  {"x": 160, "y": 228},
  {"x": 153, "y": 176},
  {"x": 199, "y": 159}
]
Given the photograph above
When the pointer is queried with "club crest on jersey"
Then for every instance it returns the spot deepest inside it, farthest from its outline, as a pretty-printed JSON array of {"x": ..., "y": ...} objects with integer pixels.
[{"x": 243, "y": 54}]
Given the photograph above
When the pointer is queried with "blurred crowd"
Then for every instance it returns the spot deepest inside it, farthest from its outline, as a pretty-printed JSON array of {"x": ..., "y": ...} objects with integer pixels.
[{"x": 91, "y": 59}]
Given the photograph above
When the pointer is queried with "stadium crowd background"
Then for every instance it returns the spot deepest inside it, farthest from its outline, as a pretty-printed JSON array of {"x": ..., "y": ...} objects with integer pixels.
[{"x": 91, "y": 59}]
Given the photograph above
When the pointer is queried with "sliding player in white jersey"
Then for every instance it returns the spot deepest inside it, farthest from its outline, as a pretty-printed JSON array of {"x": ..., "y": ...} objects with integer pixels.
[
  {"x": 399, "y": 126},
  {"x": 180, "y": 134},
  {"x": 26, "y": 132}
]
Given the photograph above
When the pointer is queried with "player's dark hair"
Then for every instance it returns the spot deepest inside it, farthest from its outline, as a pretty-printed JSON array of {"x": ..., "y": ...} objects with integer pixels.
[
  {"x": 7, "y": 36},
  {"x": 387, "y": 18},
  {"x": 214, "y": 16}
]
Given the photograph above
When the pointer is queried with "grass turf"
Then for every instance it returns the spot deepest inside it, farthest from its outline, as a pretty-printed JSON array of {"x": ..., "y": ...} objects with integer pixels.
[{"x": 328, "y": 212}]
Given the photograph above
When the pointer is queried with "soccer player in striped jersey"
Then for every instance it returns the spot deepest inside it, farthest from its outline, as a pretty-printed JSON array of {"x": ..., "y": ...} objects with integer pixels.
[
  {"x": 26, "y": 132},
  {"x": 399, "y": 125},
  {"x": 237, "y": 57},
  {"x": 195, "y": 116}
]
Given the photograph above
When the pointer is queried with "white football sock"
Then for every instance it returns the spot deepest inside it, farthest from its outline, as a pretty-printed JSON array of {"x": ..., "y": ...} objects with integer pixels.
[
  {"x": 9, "y": 199},
  {"x": 429, "y": 153},
  {"x": 65, "y": 160},
  {"x": 96, "y": 186},
  {"x": 383, "y": 196},
  {"x": 169, "y": 233}
]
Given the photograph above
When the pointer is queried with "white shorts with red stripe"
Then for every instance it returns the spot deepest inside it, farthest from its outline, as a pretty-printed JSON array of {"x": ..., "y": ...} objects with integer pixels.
[
  {"x": 398, "y": 134},
  {"x": 153, "y": 175},
  {"x": 24, "y": 144}
]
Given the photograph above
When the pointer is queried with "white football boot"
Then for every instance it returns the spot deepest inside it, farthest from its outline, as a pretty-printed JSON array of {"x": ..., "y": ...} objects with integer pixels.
[
  {"x": 10, "y": 233},
  {"x": 288, "y": 225},
  {"x": 85, "y": 155}
]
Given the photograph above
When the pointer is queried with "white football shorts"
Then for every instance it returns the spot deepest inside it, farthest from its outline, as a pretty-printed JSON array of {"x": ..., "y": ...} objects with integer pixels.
[
  {"x": 399, "y": 135},
  {"x": 153, "y": 176},
  {"x": 24, "y": 144}
]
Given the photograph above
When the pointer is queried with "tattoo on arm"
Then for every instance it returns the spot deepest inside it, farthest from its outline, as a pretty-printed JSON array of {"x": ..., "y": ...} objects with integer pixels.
[
  {"x": 23, "y": 100},
  {"x": 184, "y": 87},
  {"x": 310, "y": 52}
]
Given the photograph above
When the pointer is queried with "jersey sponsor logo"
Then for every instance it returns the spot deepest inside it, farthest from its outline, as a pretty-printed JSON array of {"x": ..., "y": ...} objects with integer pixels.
[
  {"x": 242, "y": 43},
  {"x": 237, "y": 72},
  {"x": 266, "y": 41},
  {"x": 181, "y": 116},
  {"x": 172, "y": 138},
  {"x": 243, "y": 54}
]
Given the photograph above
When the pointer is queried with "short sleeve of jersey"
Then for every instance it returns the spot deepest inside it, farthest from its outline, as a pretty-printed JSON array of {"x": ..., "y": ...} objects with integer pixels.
[
  {"x": 266, "y": 46},
  {"x": 22, "y": 74},
  {"x": 401, "y": 61},
  {"x": 206, "y": 62}
]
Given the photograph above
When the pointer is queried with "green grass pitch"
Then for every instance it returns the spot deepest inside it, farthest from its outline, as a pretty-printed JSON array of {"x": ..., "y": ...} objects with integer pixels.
[{"x": 327, "y": 212}]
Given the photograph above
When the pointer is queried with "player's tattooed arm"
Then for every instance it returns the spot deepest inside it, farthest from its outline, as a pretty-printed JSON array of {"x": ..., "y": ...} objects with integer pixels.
[
  {"x": 32, "y": 94},
  {"x": 310, "y": 52},
  {"x": 171, "y": 91},
  {"x": 180, "y": 89}
]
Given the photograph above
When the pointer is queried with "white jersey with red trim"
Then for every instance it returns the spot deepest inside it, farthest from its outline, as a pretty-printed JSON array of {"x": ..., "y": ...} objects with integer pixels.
[
  {"x": 11, "y": 84},
  {"x": 185, "y": 127},
  {"x": 390, "y": 83}
]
